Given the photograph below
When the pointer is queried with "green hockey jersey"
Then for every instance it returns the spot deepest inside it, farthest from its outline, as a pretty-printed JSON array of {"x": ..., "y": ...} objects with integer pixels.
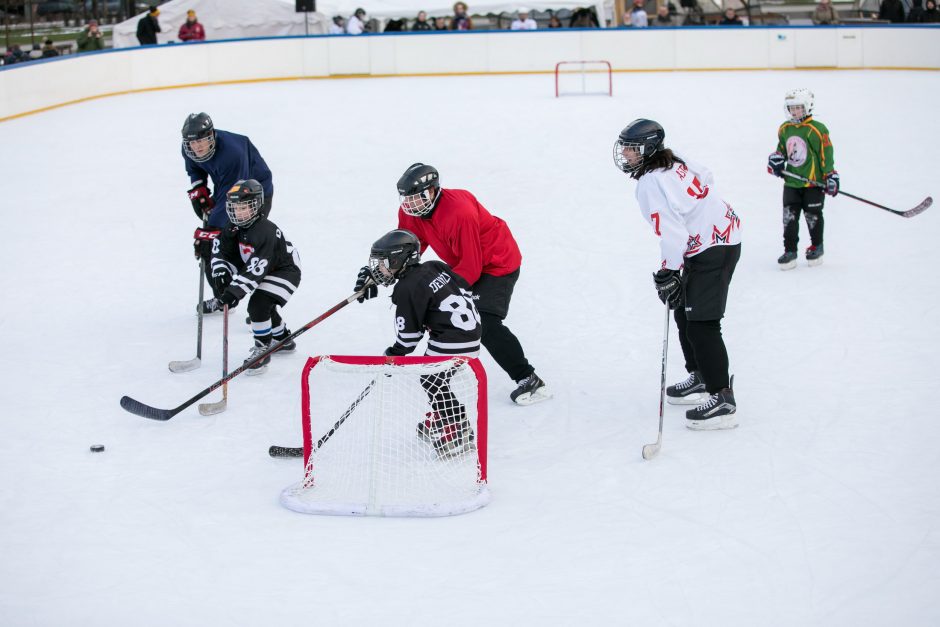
[{"x": 808, "y": 150}]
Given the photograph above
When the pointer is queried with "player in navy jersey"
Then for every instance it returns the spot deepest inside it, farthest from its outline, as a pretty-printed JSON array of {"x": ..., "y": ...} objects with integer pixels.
[
  {"x": 224, "y": 158},
  {"x": 428, "y": 297},
  {"x": 252, "y": 256}
]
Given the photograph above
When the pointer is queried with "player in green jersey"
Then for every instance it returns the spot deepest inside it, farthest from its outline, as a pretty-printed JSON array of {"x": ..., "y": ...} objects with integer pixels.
[{"x": 804, "y": 149}]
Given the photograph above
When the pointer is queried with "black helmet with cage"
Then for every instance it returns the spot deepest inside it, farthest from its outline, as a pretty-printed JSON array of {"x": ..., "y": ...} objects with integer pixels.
[
  {"x": 414, "y": 189},
  {"x": 638, "y": 141},
  {"x": 243, "y": 203},
  {"x": 197, "y": 128},
  {"x": 392, "y": 255}
]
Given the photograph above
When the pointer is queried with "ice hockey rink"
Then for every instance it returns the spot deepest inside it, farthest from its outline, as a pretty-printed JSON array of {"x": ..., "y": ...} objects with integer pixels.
[{"x": 823, "y": 508}]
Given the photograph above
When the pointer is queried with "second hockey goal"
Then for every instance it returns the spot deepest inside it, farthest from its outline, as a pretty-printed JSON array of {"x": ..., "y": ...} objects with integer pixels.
[
  {"x": 577, "y": 78},
  {"x": 392, "y": 436}
]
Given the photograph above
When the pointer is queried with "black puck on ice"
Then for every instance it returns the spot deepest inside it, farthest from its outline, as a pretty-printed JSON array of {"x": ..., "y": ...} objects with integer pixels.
[{"x": 96, "y": 448}]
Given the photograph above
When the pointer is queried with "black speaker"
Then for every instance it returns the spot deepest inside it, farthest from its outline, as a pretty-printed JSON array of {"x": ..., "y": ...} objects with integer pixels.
[{"x": 306, "y": 5}]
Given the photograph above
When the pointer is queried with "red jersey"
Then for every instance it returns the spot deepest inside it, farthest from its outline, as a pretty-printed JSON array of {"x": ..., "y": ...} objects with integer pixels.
[
  {"x": 191, "y": 31},
  {"x": 466, "y": 236}
]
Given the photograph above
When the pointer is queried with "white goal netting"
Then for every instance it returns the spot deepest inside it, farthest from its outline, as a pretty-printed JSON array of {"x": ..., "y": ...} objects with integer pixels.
[
  {"x": 581, "y": 78},
  {"x": 392, "y": 436}
]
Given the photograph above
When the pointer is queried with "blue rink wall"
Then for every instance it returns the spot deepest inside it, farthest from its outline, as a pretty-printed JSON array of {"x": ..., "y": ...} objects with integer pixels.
[{"x": 37, "y": 86}]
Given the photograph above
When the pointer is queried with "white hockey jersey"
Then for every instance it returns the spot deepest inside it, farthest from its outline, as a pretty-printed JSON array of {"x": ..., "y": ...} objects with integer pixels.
[{"x": 685, "y": 211}]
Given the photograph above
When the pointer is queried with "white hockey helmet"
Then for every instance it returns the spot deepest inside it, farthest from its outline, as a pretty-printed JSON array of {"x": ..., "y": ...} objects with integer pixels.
[{"x": 798, "y": 98}]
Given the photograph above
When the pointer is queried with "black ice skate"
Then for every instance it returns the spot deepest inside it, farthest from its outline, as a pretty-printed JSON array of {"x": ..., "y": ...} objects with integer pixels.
[
  {"x": 814, "y": 255},
  {"x": 531, "y": 390},
  {"x": 287, "y": 345},
  {"x": 262, "y": 366},
  {"x": 787, "y": 260},
  {"x": 688, "y": 392},
  {"x": 718, "y": 412},
  {"x": 211, "y": 306}
]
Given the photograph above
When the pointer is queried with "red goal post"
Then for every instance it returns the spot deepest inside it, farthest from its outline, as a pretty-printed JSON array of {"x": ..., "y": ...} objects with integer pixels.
[
  {"x": 583, "y": 69},
  {"x": 392, "y": 436}
]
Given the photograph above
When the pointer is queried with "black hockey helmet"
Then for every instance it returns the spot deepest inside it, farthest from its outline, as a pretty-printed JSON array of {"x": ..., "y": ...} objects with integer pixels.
[
  {"x": 198, "y": 126},
  {"x": 414, "y": 186},
  {"x": 645, "y": 137},
  {"x": 392, "y": 255},
  {"x": 243, "y": 202}
]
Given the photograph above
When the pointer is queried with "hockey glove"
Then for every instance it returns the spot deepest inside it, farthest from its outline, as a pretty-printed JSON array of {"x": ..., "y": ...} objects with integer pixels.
[
  {"x": 201, "y": 199},
  {"x": 364, "y": 279},
  {"x": 776, "y": 163},
  {"x": 202, "y": 242},
  {"x": 228, "y": 298},
  {"x": 832, "y": 183},
  {"x": 221, "y": 278},
  {"x": 668, "y": 287}
]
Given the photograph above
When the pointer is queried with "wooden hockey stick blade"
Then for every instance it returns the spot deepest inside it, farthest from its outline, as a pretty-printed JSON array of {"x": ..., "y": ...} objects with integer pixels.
[
  {"x": 285, "y": 451},
  {"x": 185, "y": 366},
  {"x": 146, "y": 411},
  {"x": 208, "y": 409}
]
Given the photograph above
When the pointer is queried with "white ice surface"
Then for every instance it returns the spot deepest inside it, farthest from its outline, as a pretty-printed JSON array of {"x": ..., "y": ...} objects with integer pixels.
[{"x": 821, "y": 509}]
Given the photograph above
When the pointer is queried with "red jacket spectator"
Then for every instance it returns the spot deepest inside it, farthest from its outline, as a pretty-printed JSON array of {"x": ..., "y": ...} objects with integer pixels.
[{"x": 191, "y": 30}]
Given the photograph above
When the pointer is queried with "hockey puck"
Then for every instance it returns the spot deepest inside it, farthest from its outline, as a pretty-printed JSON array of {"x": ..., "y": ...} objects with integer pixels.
[{"x": 96, "y": 448}]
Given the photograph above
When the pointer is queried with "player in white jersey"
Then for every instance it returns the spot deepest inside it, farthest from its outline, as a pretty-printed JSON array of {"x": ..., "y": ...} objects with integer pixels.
[{"x": 700, "y": 242}]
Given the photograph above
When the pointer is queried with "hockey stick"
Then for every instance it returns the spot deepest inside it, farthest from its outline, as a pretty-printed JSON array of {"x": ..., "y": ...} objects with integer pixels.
[
  {"x": 208, "y": 409},
  {"x": 910, "y": 213},
  {"x": 652, "y": 450},
  {"x": 290, "y": 451},
  {"x": 192, "y": 364},
  {"x": 139, "y": 409}
]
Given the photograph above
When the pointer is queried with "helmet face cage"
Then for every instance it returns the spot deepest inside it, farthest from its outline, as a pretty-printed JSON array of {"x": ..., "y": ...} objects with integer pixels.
[
  {"x": 622, "y": 162},
  {"x": 417, "y": 205},
  {"x": 642, "y": 138},
  {"x": 798, "y": 98},
  {"x": 414, "y": 189},
  {"x": 243, "y": 203},
  {"x": 392, "y": 254}
]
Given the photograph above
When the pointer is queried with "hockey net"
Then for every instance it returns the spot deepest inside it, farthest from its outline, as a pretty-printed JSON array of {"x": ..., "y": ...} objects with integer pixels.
[
  {"x": 579, "y": 78},
  {"x": 392, "y": 436}
]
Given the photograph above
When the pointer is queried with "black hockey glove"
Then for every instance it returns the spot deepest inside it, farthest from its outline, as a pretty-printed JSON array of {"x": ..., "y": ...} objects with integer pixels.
[
  {"x": 228, "y": 298},
  {"x": 832, "y": 183},
  {"x": 221, "y": 278},
  {"x": 668, "y": 287},
  {"x": 202, "y": 200},
  {"x": 364, "y": 278},
  {"x": 776, "y": 163}
]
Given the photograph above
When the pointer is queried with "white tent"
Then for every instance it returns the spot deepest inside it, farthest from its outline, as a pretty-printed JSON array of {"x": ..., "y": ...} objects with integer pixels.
[{"x": 227, "y": 19}]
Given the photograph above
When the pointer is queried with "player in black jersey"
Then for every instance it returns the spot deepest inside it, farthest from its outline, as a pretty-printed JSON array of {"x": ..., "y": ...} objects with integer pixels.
[
  {"x": 253, "y": 257},
  {"x": 428, "y": 297}
]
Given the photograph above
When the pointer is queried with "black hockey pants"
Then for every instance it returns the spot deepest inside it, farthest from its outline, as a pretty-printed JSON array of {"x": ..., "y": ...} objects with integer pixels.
[
  {"x": 493, "y": 294},
  {"x": 808, "y": 200}
]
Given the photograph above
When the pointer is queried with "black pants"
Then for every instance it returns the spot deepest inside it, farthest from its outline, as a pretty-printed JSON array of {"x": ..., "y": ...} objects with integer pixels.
[
  {"x": 205, "y": 248},
  {"x": 705, "y": 281},
  {"x": 806, "y": 200},
  {"x": 493, "y": 294}
]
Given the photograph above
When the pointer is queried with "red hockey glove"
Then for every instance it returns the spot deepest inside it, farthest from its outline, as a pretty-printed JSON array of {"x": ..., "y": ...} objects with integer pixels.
[
  {"x": 201, "y": 199},
  {"x": 832, "y": 183},
  {"x": 202, "y": 242}
]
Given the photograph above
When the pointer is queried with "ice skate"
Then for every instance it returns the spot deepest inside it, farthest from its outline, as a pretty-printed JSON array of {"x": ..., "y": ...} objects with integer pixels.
[
  {"x": 453, "y": 439},
  {"x": 211, "y": 306},
  {"x": 287, "y": 345},
  {"x": 262, "y": 366},
  {"x": 688, "y": 392},
  {"x": 814, "y": 255},
  {"x": 787, "y": 260},
  {"x": 718, "y": 412},
  {"x": 531, "y": 390}
]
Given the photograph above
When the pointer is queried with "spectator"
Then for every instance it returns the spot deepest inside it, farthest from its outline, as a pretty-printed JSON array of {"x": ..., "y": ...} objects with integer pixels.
[
  {"x": 554, "y": 22},
  {"x": 931, "y": 14},
  {"x": 523, "y": 22},
  {"x": 731, "y": 18},
  {"x": 48, "y": 49},
  {"x": 663, "y": 17},
  {"x": 394, "y": 26},
  {"x": 421, "y": 22},
  {"x": 825, "y": 14},
  {"x": 356, "y": 25},
  {"x": 917, "y": 12},
  {"x": 90, "y": 39},
  {"x": 14, "y": 55},
  {"x": 35, "y": 53},
  {"x": 637, "y": 17},
  {"x": 440, "y": 23},
  {"x": 191, "y": 30},
  {"x": 583, "y": 18},
  {"x": 338, "y": 27},
  {"x": 461, "y": 21},
  {"x": 148, "y": 27},
  {"x": 891, "y": 10}
]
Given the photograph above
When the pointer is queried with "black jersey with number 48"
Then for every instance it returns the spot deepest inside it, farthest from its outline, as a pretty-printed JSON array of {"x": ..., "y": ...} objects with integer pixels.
[{"x": 431, "y": 297}]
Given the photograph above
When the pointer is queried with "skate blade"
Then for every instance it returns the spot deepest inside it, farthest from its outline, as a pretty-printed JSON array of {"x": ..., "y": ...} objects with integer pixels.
[
  {"x": 788, "y": 266},
  {"x": 531, "y": 398},
  {"x": 718, "y": 423},
  {"x": 256, "y": 371},
  {"x": 695, "y": 398},
  {"x": 814, "y": 262}
]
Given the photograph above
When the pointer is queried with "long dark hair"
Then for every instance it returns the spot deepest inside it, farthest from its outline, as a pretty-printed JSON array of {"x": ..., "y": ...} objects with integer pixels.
[{"x": 662, "y": 159}]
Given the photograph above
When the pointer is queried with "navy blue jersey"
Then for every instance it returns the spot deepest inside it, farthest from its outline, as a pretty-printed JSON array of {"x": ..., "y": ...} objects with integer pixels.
[{"x": 235, "y": 159}]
